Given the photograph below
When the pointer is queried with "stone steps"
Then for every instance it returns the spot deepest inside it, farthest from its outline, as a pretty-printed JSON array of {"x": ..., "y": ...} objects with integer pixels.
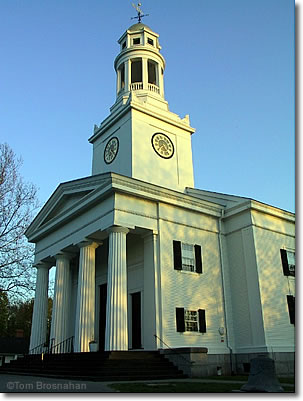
[{"x": 106, "y": 366}]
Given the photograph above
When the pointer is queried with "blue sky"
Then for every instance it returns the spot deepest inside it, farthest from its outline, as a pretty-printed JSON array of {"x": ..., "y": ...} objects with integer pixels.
[{"x": 229, "y": 65}]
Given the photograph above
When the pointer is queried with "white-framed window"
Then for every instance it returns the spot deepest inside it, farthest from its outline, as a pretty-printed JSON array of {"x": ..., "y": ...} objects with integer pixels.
[
  {"x": 189, "y": 320},
  {"x": 136, "y": 41},
  {"x": 187, "y": 257},
  {"x": 291, "y": 259},
  {"x": 150, "y": 41},
  {"x": 288, "y": 258}
]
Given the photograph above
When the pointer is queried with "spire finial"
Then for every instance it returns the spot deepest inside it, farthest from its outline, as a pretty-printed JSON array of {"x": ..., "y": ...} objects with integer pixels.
[{"x": 139, "y": 11}]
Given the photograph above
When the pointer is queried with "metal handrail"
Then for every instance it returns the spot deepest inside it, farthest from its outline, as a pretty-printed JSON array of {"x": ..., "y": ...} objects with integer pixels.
[
  {"x": 43, "y": 346},
  {"x": 174, "y": 351},
  {"x": 65, "y": 346}
]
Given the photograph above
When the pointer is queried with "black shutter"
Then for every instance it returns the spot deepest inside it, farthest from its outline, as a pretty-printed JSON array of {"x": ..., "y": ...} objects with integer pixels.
[
  {"x": 202, "y": 321},
  {"x": 177, "y": 255},
  {"x": 198, "y": 257},
  {"x": 180, "y": 320},
  {"x": 284, "y": 262},
  {"x": 291, "y": 308}
]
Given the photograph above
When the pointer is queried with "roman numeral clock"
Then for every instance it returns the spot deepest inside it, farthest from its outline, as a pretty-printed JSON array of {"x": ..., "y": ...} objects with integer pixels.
[{"x": 162, "y": 145}]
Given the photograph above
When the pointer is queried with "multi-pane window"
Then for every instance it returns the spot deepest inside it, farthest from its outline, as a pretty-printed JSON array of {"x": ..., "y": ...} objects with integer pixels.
[
  {"x": 288, "y": 262},
  {"x": 187, "y": 257},
  {"x": 191, "y": 320},
  {"x": 291, "y": 259}
]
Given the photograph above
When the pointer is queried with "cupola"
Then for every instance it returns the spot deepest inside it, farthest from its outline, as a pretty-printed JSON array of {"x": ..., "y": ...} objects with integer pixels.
[{"x": 139, "y": 65}]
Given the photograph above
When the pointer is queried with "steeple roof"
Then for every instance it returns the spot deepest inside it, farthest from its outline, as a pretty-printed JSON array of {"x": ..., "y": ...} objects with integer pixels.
[{"x": 138, "y": 26}]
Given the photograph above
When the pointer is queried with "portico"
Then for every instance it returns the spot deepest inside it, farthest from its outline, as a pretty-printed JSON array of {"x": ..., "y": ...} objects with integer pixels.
[{"x": 89, "y": 258}]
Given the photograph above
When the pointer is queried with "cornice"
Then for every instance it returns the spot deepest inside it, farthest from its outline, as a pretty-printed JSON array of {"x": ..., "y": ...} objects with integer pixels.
[
  {"x": 109, "y": 121},
  {"x": 260, "y": 207},
  {"x": 153, "y": 192},
  {"x": 138, "y": 49},
  {"x": 111, "y": 183},
  {"x": 160, "y": 116},
  {"x": 132, "y": 104}
]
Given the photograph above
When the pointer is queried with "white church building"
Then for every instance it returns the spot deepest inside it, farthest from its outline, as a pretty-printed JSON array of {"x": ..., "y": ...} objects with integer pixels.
[{"x": 146, "y": 261}]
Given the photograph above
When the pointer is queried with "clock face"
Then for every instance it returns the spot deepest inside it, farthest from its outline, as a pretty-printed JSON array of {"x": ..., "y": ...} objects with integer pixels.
[
  {"x": 162, "y": 145},
  {"x": 111, "y": 150}
]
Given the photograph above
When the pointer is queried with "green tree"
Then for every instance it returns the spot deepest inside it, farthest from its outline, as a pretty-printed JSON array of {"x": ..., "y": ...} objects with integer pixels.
[{"x": 20, "y": 317}]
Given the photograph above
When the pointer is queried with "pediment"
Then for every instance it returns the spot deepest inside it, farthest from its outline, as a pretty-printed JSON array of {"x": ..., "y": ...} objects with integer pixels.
[
  {"x": 67, "y": 201},
  {"x": 67, "y": 197}
]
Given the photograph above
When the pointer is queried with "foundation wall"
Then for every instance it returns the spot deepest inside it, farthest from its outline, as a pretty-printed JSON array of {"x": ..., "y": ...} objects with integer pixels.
[{"x": 196, "y": 362}]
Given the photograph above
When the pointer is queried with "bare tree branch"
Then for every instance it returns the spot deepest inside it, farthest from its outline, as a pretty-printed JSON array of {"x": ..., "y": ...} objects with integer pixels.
[{"x": 18, "y": 202}]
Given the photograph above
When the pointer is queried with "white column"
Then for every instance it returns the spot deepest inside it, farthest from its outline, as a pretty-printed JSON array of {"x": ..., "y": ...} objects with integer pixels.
[
  {"x": 161, "y": 79},
  {"x": 144, "y": 73},
  {"x": 116, "y": 332},
  {"x": 39, "y": 320},
  {"x": 85, "y": 309},
  {"x": 127, "y": 75},
  {"x": 62, "y": 297},
  {"x": 151, "y": 313},
  {"x": 127, "y": 66}
]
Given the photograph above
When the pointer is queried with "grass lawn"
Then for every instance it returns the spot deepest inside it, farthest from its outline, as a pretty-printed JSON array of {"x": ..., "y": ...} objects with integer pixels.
[
  {"x": 176, "y": 387},
  {"x": 289, "y": 380},
  {"x": 189, "y": 387}
]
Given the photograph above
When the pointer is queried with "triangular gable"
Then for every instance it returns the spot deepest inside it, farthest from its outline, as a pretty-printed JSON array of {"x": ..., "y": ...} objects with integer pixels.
[
  {"x": 65, "y": 197},
  {"x": 66, "y": 201}
]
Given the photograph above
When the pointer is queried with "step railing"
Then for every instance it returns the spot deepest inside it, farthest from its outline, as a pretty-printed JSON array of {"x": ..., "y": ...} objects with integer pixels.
[
  {"x": 64, "y": 347},
  {"x": 174, "y": 351},
  {"x": 40, "y": 349}
]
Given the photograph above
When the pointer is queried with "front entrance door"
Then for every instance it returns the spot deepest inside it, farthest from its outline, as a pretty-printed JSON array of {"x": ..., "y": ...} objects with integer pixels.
[
  {"x": 102, "y": 316},
  {"x": 136, "y": 320}
]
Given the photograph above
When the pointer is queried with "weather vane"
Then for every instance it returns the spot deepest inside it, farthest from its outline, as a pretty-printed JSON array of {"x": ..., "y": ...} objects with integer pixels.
[{"x": 139, "y": 11}]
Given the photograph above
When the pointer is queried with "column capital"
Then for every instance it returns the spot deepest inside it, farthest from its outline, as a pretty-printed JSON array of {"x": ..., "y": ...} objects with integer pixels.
[
  {"x": 64, "y": 255},
  {"x": 149, "y": 235},
  {"x": 43, "y": 265},
  {"x": 89, "y": 242},
  {"x": 117, "y": 229}
]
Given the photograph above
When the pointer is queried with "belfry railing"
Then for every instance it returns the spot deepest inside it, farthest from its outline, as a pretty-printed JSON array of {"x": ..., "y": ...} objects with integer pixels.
[
  {"x": 153, "y": 88},
  {"x": 136, "y": 86}
]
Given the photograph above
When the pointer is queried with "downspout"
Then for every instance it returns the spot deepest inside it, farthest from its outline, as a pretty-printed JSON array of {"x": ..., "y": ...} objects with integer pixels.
[{"x": 223, "y": 290}]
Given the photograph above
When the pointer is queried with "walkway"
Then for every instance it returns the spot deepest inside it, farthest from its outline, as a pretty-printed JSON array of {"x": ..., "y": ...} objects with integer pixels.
[{"x": 35, "y": 384}]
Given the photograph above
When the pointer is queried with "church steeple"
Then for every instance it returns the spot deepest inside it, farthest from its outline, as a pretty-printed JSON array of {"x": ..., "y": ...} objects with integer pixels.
[
  {"x": 142, "y": 138},
  {"x": 139, "y": 65}
]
